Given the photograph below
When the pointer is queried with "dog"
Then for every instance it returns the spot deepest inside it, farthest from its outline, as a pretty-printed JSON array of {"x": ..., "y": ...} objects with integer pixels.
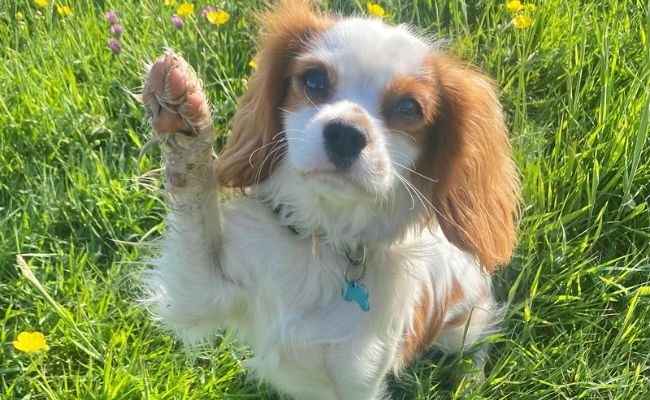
[{"x": 352, "y": 221}]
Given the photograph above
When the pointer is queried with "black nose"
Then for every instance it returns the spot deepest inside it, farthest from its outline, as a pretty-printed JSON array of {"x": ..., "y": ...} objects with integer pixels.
[{"x": 344, "y": 142}]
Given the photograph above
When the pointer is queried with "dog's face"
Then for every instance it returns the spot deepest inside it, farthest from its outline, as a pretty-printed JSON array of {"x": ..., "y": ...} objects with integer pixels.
[
  {"x": 358, "y": 101},
  {"x": 357, "y": 111}
]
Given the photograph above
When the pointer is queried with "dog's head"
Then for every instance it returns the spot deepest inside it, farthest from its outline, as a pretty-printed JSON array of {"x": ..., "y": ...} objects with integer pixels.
[{"x": 366, "y": 118}]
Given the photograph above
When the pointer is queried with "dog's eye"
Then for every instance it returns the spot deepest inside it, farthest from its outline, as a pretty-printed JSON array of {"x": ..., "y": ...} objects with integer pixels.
[
  {"x": 315, "y": 82},
  {"x": 407, "y": 107}
]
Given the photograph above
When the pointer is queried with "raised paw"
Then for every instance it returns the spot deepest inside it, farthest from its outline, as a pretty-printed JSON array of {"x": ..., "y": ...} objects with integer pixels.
[{"x": 179, "y": 113}]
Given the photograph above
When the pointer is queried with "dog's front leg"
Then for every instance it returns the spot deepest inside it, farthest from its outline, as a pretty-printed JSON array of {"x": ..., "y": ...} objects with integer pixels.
[{"x": 189, "y": 290}]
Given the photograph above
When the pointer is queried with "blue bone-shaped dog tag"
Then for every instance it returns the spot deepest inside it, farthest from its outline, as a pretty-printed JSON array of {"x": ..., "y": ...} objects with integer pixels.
[{"x": 354, "y": 291}]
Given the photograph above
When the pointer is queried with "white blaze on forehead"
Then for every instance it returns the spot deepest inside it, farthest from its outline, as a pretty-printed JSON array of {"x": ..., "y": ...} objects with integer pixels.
[{"x": 368, "y": 53}]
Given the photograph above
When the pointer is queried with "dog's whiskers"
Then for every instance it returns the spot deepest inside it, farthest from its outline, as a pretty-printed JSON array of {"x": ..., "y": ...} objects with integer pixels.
[{"x": 411, "y": 170}]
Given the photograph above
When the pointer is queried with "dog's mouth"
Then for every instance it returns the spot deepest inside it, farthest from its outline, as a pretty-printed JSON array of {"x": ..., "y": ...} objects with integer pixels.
[
  {"x": 336, "y": 183},
  {"x": 331, "y": 177}
]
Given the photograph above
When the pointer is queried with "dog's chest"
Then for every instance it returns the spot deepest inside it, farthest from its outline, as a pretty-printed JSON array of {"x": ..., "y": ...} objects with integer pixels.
[
  {"x": 299, "y": 303},
  {"x": 293, "y": 277}
]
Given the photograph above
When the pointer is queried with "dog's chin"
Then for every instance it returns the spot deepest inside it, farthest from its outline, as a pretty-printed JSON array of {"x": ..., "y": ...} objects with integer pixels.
[{"x": 337, "y": 186}]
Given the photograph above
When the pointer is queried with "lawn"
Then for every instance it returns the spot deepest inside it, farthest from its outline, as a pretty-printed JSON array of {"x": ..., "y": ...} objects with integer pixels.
[{"x": 75, "y": 203}]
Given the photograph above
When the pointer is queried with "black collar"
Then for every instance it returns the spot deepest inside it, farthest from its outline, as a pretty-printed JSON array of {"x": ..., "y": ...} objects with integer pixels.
[{"x": 277, "y": 211}]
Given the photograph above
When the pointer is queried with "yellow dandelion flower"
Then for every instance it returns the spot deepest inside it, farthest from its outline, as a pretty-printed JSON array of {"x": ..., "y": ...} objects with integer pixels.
[
  {"x": 30, "y": 342},
  {"x": 185, "y": 10},
  {"x": 530, "y": 7},
  {"x": 522, "y": 21},
  {"x": 515, "y": 6},
  {"x": 170, "y": 3},
  {"x": 375, "y": 9},
  {"x": 252, "y": 64},
  {"x": 20, "y": 16},
  {"x": 64, "y": 11},
  {"x": 41, "y": 3},
  {"x": 218, "y": 17}
]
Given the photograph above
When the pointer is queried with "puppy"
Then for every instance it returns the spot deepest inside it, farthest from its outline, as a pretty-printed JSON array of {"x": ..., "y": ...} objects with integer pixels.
[{"x": 375, "y": 193}]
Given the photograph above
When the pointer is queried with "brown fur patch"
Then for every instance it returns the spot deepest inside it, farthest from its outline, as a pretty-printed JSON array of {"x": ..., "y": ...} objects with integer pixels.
[
  {"x": 297, "y": 95},
  {"x": 473, "y": 184},
  {"x": 256, "y": 127},
  {"x": 425, "y": 329},
  {"x": 419, "y": 89},
  {"x": 428, "y": 321}
]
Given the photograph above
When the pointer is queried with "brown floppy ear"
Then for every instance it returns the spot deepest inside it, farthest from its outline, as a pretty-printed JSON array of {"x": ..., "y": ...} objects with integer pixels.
[
  {"x": 256, "y": 129},
  {"x": 474, "y": 187}
]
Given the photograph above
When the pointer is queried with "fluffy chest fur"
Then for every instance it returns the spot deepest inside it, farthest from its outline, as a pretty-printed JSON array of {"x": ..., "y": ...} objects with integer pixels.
[
  {"x": 299, "y": 329},
  {"x": 282, "y": 294}
]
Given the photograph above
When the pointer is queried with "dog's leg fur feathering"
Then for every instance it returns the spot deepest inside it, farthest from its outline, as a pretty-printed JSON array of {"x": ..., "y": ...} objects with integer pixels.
[{"x": 180, "y": 116}]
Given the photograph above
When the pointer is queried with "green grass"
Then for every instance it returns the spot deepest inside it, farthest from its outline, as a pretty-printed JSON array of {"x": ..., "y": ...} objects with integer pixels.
[{"x": 575, "y": 89}]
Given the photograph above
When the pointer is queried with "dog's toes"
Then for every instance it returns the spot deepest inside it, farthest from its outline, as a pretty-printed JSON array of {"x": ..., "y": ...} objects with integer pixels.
[
  {"x": 174, "y": 99},
  {"x": 180, "y": 115}
]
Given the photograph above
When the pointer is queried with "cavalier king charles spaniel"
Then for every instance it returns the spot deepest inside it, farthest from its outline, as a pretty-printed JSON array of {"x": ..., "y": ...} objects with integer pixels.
[{"x": 374, "y": 194}]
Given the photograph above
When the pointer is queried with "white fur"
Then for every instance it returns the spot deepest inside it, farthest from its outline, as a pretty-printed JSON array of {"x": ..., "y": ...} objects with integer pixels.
[{"x": 236, "y": 264}]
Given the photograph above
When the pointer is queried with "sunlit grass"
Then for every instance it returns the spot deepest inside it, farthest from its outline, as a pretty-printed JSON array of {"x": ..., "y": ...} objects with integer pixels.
[{"x": 574, "y": 86}]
